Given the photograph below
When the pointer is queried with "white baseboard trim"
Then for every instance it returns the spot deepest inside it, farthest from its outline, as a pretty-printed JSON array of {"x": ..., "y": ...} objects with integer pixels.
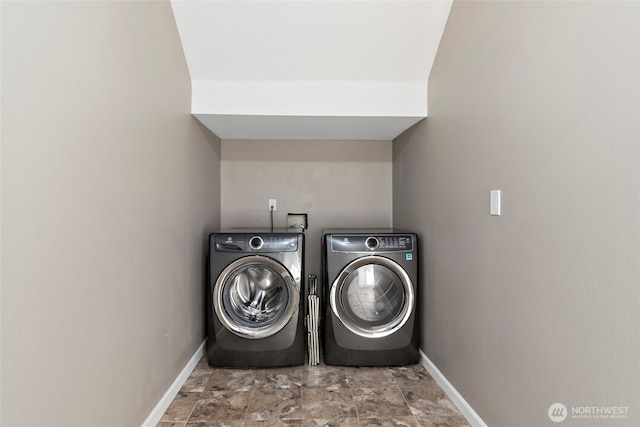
[
  {"x": 154, "y": 417},
  {"x": 465, "y": 409}
]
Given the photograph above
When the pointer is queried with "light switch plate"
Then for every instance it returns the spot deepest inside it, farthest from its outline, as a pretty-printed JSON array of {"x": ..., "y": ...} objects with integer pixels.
[{"x": 494, "y": 197}]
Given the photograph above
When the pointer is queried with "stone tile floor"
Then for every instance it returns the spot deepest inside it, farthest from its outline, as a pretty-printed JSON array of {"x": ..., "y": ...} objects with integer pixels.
[{"x": 311, "y": 396}]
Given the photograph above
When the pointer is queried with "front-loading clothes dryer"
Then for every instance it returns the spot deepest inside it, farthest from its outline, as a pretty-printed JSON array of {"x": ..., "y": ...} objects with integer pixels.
[
  {"x": 370, "y": 298},
  {"x": 255, "y": 315}
]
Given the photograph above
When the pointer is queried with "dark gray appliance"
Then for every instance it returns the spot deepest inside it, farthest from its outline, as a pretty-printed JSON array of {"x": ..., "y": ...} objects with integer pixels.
[
  {"x": 255, "y": 315},
  {"x": 370, "y": 298}
]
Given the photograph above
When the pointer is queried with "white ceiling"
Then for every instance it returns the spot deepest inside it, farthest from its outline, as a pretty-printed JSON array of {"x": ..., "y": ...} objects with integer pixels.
[{"x": 309, "y": 69}]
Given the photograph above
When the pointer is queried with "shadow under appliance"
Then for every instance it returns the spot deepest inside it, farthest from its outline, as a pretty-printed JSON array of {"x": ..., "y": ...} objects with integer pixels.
[
  {"x": 370, "y": 298},
  {"x": 255, "y": 315}
]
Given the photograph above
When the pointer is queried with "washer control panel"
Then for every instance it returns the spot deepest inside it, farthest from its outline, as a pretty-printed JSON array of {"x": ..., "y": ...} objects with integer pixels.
[
  {"x": 380, "y": 243},
  {"x": 260, "y": 243}
]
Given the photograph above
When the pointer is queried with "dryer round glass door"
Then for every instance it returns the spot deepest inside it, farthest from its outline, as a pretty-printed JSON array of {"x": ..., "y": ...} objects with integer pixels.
[
  {"x": 373, "y": 297},
  {"x": 255, "y": 297}
]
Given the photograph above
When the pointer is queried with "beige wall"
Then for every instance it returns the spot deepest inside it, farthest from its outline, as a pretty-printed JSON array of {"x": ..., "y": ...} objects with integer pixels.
[
  {"x": 337, "y": 183},
  {"x": 108, "y": 189},
  {"x": 540, "y": 305}
]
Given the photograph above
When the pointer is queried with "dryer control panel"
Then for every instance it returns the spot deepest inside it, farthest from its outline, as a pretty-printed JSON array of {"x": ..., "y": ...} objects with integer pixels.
[
  {"x": 256, "y": 243},
  {"x": 378, "y": 243}
]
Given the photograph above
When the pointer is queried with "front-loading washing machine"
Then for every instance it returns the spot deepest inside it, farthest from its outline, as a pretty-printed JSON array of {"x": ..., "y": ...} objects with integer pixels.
[
  {"x": 370, "y": 298},
  {"x": 255, "y": 310}
]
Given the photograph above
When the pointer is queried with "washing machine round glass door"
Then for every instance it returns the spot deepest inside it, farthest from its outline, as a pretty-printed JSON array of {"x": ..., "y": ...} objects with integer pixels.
[
  {"x": 255, "y": 297},
  {"x": 373, "y": 297}
]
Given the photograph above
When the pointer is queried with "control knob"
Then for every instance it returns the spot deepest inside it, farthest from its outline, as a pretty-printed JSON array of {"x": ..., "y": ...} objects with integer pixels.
[
  {"x": 372, "y": 242},
  {"x": 256, "y": 242}
]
